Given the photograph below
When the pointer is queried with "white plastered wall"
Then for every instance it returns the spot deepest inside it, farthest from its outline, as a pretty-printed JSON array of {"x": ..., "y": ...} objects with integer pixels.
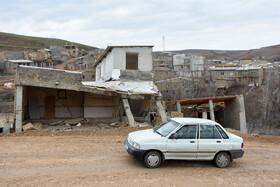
[
  {"x": 144, "y": 57},
  {"x": 100, "y": 106}
]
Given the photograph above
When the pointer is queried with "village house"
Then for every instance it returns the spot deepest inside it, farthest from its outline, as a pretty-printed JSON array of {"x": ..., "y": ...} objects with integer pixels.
[
  {"x": 175, "y": 88},
  {"x": 225, "y": 76},
  {"x": 249, "y": 76},
  {"x": 37, "y": 55},
  {"x": 10, "y": 66},
  {"x": 163, "y": 66},
  {"x": 72, "y": 50},
  {"x": 188, "y": 65},
  {"x": 123, "y": 90},
  {"x": 40, "y": 57}
]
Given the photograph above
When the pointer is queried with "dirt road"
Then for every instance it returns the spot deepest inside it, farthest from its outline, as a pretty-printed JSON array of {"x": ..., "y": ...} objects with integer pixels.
[{"x": 98, "y": 158}]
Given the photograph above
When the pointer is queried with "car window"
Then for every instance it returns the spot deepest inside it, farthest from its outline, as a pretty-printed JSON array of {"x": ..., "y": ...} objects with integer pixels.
[
  {"x": 222, "y": 132},
  {"x": 187, "y": 132},
  {"x": 209, "y": 132},
  {"x": 166, "y": 127}
]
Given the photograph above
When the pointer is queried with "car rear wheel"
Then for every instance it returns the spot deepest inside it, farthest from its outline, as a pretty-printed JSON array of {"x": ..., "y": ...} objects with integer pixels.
[
  {"x": 152, "y": 159},
  {"x": 222, "y": 160}
]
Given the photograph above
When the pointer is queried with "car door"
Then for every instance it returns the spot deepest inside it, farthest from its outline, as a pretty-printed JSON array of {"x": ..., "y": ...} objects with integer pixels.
[
  {"x": 183, "y": 143},
  {"x": 209, "y": 142}
]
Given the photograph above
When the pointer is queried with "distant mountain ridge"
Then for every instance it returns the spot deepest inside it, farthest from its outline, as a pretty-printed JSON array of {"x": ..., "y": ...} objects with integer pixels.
[
  {"x": 271, "y": 53},
  {"x": 15, "y": 42}
]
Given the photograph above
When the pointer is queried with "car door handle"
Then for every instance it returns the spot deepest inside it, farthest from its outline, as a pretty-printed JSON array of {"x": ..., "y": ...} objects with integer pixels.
[
  {"x": 192, "y": 141},
  {"x": 218, "y": 141}
]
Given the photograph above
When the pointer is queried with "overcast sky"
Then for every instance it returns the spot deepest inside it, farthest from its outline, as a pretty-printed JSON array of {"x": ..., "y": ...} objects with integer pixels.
[{"x": 185, "y": 24}]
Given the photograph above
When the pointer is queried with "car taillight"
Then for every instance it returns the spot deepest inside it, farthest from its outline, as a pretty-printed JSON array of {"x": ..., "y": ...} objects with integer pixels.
[{"x": 242, "y": 145}]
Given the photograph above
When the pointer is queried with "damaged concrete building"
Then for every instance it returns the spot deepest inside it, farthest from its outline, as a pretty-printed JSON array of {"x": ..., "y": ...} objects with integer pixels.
[
  {"x": 229, "y": 111},
  {"x": 123, "y": 90}
]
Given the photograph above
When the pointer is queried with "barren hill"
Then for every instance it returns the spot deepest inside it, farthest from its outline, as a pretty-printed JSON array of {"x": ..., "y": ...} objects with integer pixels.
[
  {"x": 14, "y": 42},
  {"x": 271, "y": 53}
]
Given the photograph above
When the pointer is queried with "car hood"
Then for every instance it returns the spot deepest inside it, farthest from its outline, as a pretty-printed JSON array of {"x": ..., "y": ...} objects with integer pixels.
[{"x": 143, "y": 135}]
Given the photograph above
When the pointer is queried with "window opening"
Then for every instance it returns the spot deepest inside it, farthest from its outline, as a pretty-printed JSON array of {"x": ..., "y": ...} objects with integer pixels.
[{"x": 132, "y": 61}]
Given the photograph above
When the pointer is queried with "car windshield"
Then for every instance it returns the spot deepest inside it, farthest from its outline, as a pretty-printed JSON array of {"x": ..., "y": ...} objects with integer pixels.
[{"x": 166, "y": 127}]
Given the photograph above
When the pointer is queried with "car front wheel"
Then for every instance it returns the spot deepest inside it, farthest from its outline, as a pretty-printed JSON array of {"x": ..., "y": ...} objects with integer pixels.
[
  {"x": 222, "y": 160},
  {"x": 152, "y": 159}
]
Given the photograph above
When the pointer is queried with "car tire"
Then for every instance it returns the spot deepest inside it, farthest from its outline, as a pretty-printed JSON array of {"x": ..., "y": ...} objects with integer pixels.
[
  {"x": 222, "y": 160},
  {"x": 152, "y": 159}
]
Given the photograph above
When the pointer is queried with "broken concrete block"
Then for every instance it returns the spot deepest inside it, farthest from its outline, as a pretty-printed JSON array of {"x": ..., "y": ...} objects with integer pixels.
[
  {"x": 103, "y": 126},
  {"x": 176, "y": 114},
  {"x": 55, "y": 123},
  {"x": 124, "y": 119},
  {"x": 118, "y": 124},
  {"x": 28, "y": 126},
  {"x": 38, "y": 125},
  {"x": 73, "y": 121},
  {"x": 6, "y": 128},
  {"x": 143, "y": 125}
]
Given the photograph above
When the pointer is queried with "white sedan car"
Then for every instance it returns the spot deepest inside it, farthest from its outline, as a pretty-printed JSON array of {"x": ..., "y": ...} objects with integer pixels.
[{"x": 185, "y": 139}]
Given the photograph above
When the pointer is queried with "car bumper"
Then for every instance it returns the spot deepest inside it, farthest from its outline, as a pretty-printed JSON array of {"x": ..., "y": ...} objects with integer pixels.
[
  {"x": 237, "y": 153},
  {"x": 133, "y": 152}
]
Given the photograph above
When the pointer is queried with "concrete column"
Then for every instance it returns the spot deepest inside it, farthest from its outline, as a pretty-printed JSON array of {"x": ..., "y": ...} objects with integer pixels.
[
  {"x": 179, "y": 106},
  {"x": 128, "y": 113},
  {"x": 212, "y": 115},
  {"x": 161, "y": 111},
  {"x": 19, "y": 96},
  {"x": 242, "y": 116},
  {"x": 204, "y": 115}
]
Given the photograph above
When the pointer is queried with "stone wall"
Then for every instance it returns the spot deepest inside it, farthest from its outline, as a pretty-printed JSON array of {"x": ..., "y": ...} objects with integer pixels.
[{"x": 47, "y": 75}]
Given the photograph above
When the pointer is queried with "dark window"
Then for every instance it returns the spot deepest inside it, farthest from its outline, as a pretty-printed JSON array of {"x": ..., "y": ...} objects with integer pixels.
[
  {"x": 187, "y": 132},
  {"x": 222, "y": 72},
  {"x": 61, "y": 94},
  {"x": 209, "y": 132},
  {"x": 239, "y": 78},
  {"x": 132, "y": 61},
  {"x": 222, "y": 132}
]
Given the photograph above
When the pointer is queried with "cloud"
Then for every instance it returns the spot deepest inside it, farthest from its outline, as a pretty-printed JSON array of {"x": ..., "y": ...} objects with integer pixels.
[{"x": 231, "y": 24}]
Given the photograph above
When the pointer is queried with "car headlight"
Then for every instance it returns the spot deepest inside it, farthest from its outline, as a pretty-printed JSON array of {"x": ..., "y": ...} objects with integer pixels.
[
  {"x": 133, "y": 143},
  {"x": 136, "y": 145}
]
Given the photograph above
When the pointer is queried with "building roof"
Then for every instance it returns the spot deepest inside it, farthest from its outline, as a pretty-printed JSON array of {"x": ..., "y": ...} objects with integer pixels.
[
  {"x": 72, "y": 80},
  {"x": 109, "y": 49},
  {"x": 173, "y": 79},
  {"x": 198, "y": 101},
  {"x": 50, "y": 69},
  {"x": 222, "y": 68},
  {"x": 248, "y": 68},
  {"x": 129, "y": 87},
  {"x": 20, "y": 61}
]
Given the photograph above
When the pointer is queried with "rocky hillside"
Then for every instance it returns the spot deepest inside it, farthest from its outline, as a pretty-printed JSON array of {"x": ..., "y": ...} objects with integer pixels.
[{"x": 14, "y": 42}]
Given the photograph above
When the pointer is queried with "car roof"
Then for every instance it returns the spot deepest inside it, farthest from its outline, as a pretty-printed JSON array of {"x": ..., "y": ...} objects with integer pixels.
[{"x": 194, "y": 121}]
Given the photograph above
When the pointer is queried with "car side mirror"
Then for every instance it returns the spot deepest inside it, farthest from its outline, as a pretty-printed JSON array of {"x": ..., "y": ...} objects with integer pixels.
[{"x": 174, "y": 136}]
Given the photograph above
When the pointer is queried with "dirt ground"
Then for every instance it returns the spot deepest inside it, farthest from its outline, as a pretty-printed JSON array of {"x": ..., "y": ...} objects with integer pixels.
[{"x": 98, "y": 158}]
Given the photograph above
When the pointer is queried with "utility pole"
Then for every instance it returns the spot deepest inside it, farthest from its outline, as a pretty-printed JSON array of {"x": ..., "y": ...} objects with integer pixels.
[{"x": 163, "y": 43}]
